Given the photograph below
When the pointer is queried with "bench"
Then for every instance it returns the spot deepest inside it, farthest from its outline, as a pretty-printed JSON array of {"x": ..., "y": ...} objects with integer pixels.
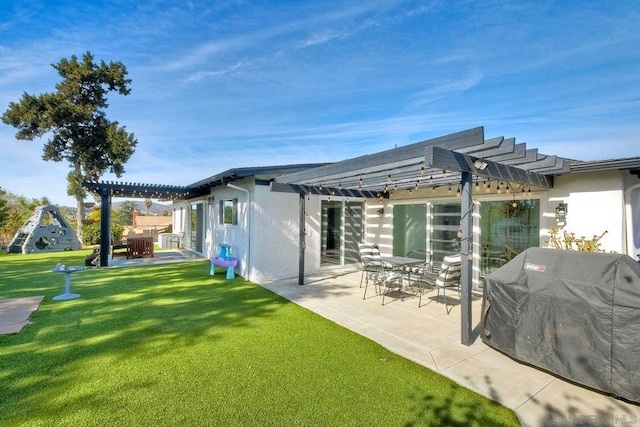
[
  {"x": 140, "y": 247},
  {"x": 119, "y": 249}
]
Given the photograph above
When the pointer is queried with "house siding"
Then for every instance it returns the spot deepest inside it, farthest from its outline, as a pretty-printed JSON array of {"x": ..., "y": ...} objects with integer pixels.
[
  {"x": 266, "y": 237},
  {"x": 595, "y": 204}
]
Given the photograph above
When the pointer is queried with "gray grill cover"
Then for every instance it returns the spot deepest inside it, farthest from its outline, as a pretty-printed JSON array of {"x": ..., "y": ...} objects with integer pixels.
[{"x": 575, "y": 314}]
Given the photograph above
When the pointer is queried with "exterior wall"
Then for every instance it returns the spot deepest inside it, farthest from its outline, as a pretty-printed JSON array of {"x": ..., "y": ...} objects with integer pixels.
[
  {"x": 595, "y": 204},
  {"x": 274, "y": 235},
  {"x": 180, "y": 217},
  {"x": 266, "y": 237},
  {"x": 312, "y": 235},
  {"x": 236, "y": 235},
  {"x": 379, "y": 227}
]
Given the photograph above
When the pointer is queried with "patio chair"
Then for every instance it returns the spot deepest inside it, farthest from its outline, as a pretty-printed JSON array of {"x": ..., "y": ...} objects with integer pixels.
[
  {"x": 416, "y": 271},
  {"x": 177, "y": 239},
  {"x": 370, "y": 260},
  {"x": 383, "y": 277},
  {"x": 448, "y": 277}
]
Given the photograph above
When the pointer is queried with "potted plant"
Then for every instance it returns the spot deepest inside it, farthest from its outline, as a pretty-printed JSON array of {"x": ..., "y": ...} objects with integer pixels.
[{"x": 93, "y": 259}]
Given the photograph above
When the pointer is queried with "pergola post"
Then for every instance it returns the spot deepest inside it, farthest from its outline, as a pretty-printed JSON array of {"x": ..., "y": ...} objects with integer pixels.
[
  {"x": 466, "y": 244},
  {"x": 302, "y": 243},
  {"x": 105, "y": 226}
]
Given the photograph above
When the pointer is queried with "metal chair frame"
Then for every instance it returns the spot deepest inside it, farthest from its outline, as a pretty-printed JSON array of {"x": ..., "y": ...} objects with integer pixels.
[{"x": 448, "y": 277}]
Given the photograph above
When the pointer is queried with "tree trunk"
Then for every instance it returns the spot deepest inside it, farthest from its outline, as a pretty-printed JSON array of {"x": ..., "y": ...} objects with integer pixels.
[
  {"x": 79, "y": 217},
  {"x": 79, "y": 201}
]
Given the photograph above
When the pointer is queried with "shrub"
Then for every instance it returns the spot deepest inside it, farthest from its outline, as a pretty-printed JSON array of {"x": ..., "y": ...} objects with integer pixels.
[{"x": 569, "y": 241}]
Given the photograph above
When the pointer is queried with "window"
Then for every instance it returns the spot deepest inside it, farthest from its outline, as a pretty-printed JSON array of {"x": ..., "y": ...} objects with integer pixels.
[
  {"x": 409, "y": 229},
  {"x": 229, "y": 212},
  {"x": 507, "y": 228}
]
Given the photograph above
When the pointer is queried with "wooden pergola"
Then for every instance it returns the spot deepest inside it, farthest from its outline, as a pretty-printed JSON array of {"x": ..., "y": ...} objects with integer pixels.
[
  {"x": 106, "y": 190},
  {"x": 449, "y": 160}
]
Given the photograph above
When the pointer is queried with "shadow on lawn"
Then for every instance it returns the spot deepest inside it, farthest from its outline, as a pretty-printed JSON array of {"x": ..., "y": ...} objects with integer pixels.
[
  {"x": 159, "y": 307},
  {"x": 155, "y": 309}
]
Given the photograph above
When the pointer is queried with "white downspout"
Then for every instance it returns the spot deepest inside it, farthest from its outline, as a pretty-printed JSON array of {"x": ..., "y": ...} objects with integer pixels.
[{"x": 235, "y": 187}]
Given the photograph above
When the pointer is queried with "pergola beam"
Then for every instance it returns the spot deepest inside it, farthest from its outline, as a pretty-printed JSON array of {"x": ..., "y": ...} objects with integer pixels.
[
  {"x": 325, "y": 191},
  {"x": 460, "y": 162},
  {"x": 134, "y": 190},
  {"x": 385, "y": 160}
]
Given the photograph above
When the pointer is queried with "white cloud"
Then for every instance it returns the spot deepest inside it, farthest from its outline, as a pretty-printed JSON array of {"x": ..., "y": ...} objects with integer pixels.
[{"x": 447, "y": 88}]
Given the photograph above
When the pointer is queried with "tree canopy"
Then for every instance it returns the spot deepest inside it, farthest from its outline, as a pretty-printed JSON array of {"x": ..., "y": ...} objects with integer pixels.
[
  {"x": 15, "y": 210},
  {"x": 74, "y": 121}
]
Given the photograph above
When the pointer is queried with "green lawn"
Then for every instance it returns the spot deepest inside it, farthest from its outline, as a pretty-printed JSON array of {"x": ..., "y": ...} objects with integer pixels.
[{"x": 171, "y": 345}]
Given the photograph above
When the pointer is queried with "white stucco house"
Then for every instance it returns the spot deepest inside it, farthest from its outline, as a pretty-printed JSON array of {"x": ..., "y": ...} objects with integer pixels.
[{"x": 488, "y": 198}]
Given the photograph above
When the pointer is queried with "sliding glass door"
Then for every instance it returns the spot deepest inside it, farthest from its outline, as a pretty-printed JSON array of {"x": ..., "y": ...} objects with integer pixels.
[
  {"x": 507, "y": 228},
  {"x": 341, "y": 231},
  {"x": 331, "y": 233},
  {"x": 198, "y": 226},
  {"x": 445, "y": 225},
  {"x": 409, "y": 230},
  {"x": 353, "y": 231}
]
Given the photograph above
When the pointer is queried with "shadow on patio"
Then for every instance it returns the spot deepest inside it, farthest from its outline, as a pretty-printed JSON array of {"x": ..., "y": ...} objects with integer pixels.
[
  {"x": 431, "y": 337},
  {"x": 159, "y": 257}
]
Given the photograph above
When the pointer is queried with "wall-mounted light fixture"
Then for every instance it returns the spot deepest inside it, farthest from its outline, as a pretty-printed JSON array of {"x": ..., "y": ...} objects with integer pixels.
[
  {"x": 561, "y": 212},
  {"x": 480, "y": 164},
  {"x": 380, "y": 212}
]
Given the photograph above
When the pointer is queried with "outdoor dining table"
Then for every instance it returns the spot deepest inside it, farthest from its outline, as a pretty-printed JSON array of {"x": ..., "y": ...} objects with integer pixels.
[{"x": 400, "y": 262}]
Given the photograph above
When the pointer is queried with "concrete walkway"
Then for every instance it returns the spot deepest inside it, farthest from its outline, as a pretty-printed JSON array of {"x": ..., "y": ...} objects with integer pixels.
[
  {"x": 430, "y": 337},
  {"x": 15, "y": 312}
]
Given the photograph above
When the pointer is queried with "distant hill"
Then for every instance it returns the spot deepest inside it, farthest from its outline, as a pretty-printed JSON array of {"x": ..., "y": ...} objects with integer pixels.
[{"x": 155, "y": 209}]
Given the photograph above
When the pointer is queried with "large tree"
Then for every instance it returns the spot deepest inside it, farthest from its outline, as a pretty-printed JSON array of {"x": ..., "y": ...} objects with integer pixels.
[{"x": 74, "y": 121}]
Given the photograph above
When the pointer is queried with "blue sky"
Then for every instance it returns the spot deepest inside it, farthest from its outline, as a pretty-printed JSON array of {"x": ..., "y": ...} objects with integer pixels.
[{"x": 224, "y": 84}]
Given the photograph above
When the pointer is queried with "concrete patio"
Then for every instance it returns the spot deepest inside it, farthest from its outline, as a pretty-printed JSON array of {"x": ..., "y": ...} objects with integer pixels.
[
  {"x": 159, "y": 257},
  {"x": 430, "y": 337}
]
